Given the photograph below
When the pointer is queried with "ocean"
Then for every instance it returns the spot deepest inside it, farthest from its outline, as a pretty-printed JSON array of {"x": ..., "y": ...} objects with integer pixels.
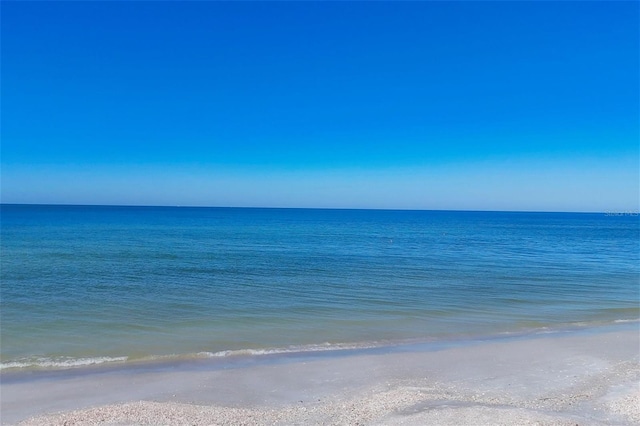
[{"x": 87, "y": 285}]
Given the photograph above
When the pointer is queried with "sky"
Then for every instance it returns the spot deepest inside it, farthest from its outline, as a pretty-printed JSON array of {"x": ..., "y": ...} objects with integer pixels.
[{"x": 401, "y": 105}]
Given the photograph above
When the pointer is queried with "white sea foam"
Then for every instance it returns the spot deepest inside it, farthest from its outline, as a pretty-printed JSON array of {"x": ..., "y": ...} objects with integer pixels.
[
  {"x": 55, "y": 363},
  {"x": 69, "y": 362},
  {"x": 323, "y": 347}
]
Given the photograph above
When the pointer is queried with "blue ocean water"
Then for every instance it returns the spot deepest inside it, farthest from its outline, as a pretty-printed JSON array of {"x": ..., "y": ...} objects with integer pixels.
[{"x": 91, "y": 284}]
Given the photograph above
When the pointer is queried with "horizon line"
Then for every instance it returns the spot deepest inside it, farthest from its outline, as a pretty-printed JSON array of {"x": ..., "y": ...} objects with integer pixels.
[{"x": 610, "y": 212}]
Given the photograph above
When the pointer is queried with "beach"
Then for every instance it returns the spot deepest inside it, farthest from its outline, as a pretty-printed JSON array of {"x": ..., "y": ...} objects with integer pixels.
[
  {"x": 159, "y": 315},
  {"x": 585, "y": 377}
]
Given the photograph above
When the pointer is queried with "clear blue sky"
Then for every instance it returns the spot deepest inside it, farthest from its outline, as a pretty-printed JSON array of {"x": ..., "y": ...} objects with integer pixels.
[{"x": 428, "y": 105}]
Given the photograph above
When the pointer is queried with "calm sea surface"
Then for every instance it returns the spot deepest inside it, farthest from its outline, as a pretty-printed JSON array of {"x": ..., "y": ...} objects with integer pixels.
[{"x": 83, "y": 285}]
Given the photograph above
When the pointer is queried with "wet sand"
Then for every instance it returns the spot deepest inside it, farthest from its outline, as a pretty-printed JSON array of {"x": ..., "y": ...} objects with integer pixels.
[{"x": 590, "y": 377}]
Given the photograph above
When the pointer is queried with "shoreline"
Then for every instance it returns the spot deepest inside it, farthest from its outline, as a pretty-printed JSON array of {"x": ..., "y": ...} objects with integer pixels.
[
  {"x": 589, "y": 375},
  {"x": 75, "y": 366}
]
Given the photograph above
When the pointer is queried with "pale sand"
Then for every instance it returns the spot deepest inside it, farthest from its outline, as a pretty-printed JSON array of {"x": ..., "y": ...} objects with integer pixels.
[{"x": 583, "y": 378}]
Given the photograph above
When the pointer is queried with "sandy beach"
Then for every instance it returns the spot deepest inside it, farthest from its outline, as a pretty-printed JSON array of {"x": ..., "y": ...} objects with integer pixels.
[{"x": 590, "y": 377}]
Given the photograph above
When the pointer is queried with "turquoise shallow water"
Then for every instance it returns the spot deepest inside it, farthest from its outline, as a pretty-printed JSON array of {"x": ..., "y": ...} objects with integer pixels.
[{"x": 86, "y": 284}]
